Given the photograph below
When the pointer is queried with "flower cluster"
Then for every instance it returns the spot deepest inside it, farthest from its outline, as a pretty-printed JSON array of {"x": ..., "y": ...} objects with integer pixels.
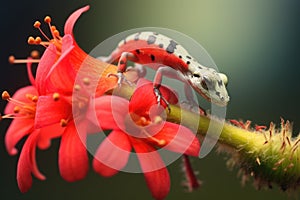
[{"x": 59, "y": 104}]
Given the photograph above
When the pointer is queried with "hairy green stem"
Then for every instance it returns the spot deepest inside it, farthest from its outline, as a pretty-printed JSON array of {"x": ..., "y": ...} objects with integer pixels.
[{"x": 270, "y": 156}]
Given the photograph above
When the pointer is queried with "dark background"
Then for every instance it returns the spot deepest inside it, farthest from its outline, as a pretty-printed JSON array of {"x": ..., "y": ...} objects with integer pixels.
[{"x": 255, "y": 42}]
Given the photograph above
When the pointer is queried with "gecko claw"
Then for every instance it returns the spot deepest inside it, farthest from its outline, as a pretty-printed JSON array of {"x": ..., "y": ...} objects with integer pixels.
[
  {"x": 160, "y": 98},
  {"x": 121, "y": 78}
]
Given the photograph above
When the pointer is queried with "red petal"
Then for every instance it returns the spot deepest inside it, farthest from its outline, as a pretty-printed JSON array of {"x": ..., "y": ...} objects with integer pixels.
[
  {"x": 144, "y": 98},
  {"x": 16, "y": 131},
  {"x": 27, "y": 164},
  {"x": 112, "y": 155},
  {"x": 49, "y": 111},
  {"x": 20, "y": 95},
  {"x": 155, "y": 172},
  {"x": 47, "y": 61},
  {"x": 48, "y": 133},
  {"x": 179, "y": 139},
  {"x": 62, "y": 74},
  {"x": 73, "y": 158},
  {"x": 72, "y": 20},
  {"x": 109, "y": 112}
]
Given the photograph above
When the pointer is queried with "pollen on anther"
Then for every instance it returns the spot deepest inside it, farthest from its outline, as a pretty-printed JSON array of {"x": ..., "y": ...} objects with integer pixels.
[
  {"x": 77, "y": 87},
  {"x": 86, "y": 81},
  {"x": 37, "y": 40},
  {"x": 37, "y": 24},
  {"x": 47, "y": 19},
  {"x": 31, "y": 40},
  {"x": 35, "y": 54},
  {"x": 17, "y": 109},
  {"x": 63, "y": 123},
  {"x": 5, "y": 95},
  {"x": 11, "y": 59},
  {"x": 56, "y": 96},
  {"x": 34, "y": 99}
]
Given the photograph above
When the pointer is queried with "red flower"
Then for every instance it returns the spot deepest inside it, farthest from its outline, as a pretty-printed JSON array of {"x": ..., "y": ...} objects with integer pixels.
[
  {"x": 22, "y": 108},
  {"x": 137, "y": 124},
  {"x": 44, "y": 110}
]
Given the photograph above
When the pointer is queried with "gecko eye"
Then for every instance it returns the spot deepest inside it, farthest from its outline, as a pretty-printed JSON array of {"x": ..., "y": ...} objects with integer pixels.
[{"x": 203, "y": 84}]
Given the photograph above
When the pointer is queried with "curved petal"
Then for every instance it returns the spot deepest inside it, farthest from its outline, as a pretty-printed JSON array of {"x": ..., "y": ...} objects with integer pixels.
[
  {"x": 112, "y": 154},
  {"x": 179, "y": 139},
  {"x": 48, "y": 133},
  {"x": 20, "y": 95},
  {"x": 72, "y": 20},
  {"x": 108, "y": 112},
  {"x": 73, "y": 158},
  {"x": 47, "y": 61},
  {"x": 16, "y": 131},
  {"x": 62, "y": 74},
  {"x": 50, "y": 111},
  {"x": 158, "y": 181},
  {"x": 144, "y": 98},
  {"x": 27, "y": 163}
]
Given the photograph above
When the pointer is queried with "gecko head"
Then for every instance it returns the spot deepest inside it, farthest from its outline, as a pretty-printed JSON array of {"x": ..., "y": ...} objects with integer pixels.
[{"x": 211, "y": 85}]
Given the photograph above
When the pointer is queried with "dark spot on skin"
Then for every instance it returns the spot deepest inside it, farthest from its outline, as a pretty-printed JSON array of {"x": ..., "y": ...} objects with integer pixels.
[
  {"x": 136, "y": 37},
  {"x": 171, "y": 47},
  {"x": 151, "y": 39},
  {"x": 180, "y": 56},
  {"x": 196, "y": 75},
  {"x": 161, "y": 45},
  {"x": 188, "y": 57},
  {"x": 218, "y": 93},
  {"x": 188, "y": 62},
  {"x": 137, "y": 51},
  {"x": 122, "y": 62},
  {"x": 199, "y": 67},
  {"x": 152, "y": 57},
  {"x": 220, "y": 83}
]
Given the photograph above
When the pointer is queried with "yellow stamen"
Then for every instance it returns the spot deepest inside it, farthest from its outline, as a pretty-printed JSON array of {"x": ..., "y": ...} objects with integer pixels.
[
  {"x": 5, "y": 95},
  {"x": 56, "y": 96},
  {"x": 34, "y": 99},
  {"x": 86, "y": 81},
  {"x": 77, "y": 87},
  {"x": 63, "y": 123},
  {"x": 47, "y": 19},
  {"x": 17, "y": 109},
  {"x": 35, "y": 54}
]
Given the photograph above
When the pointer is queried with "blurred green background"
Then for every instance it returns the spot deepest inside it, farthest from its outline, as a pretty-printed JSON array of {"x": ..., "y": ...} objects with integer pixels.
[{"x": 255, "y": 42}]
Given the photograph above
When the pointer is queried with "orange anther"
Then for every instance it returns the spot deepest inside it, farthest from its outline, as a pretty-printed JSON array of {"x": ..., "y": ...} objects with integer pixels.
[
  {"x": 86, "y": 81},
  {"x": 17, "y": 109},
  {"x": 56, "y": 33},
  {"x": 11, "y": 59},
  {"x": 37, "y": 40},
  {"x": 63, "y": 123},
  {"x": 35, "y": 54},
  {"x": 5, "y": 95},
  {"x": 55, "y": 96},
  {"x": 35, "y": 99},
  {"x": 37, "y": 24},
  {"x": 47, "y": 19},
  {"x": 53, "y": 28},
  {"x": 30, "y": 40}
]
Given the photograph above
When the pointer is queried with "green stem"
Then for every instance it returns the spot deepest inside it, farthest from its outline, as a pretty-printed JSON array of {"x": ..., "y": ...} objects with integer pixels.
[{"x": 270, "y": 156}]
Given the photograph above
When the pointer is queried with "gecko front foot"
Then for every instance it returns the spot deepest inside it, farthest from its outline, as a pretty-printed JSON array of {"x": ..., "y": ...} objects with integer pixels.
[
  {"x": 121, "y": 78},
  {"x": 159, "y": 98}
]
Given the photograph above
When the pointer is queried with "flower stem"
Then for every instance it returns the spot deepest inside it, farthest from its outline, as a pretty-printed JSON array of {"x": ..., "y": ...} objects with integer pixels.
[{"x": 270, "y": 156}]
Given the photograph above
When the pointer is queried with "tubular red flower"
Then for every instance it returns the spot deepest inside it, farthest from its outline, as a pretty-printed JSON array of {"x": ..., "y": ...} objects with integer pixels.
[{"x": 151, "y": 133}]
